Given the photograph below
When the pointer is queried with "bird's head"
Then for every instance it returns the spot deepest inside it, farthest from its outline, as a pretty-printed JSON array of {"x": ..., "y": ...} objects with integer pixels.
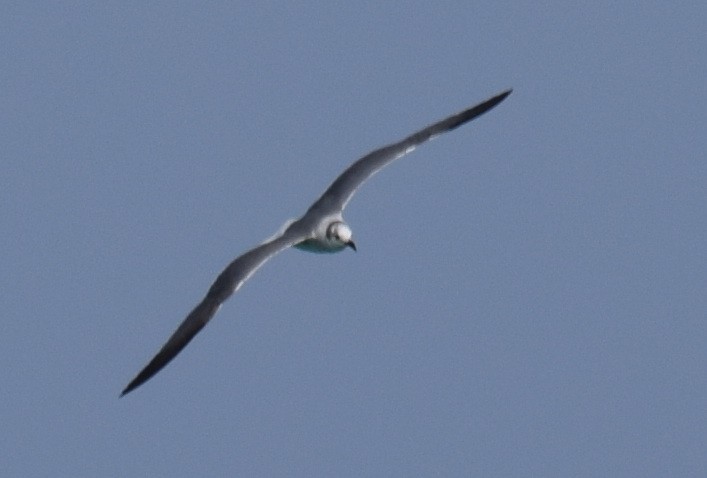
[{"x": 340, "y": 234}]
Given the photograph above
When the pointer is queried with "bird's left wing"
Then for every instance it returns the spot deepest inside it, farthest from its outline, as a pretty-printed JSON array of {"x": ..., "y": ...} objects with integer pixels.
[
  {"x": 340, "y": 191},
  {"x": 225, "y": 284}
]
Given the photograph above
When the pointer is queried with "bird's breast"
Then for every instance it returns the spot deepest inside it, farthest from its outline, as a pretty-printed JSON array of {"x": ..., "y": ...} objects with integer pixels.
[{"x": 319, "y": 246}]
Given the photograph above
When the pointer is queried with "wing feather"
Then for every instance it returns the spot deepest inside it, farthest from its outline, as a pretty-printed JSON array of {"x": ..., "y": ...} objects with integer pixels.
[
  {"x": 229, "y": 281},
  {"x": 343, "y": 188}
]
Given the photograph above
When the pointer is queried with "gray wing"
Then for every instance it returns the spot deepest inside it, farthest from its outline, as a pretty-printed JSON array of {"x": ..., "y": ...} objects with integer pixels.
[
  {"x": 339, "y": 193},
  {"x": 225, "y": 284}
]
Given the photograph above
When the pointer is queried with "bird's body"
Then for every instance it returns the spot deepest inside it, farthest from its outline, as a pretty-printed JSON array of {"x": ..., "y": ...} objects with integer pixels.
[
  {"x": 321, "y": 229},
  {"x": 332, "y": 235}
]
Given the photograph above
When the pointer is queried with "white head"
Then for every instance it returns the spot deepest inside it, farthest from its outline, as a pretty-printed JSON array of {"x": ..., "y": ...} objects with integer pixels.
[{"x": 340, "y": 233}]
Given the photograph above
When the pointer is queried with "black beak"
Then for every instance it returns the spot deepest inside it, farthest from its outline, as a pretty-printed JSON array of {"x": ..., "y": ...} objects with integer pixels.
[{"x": 351, "y": 245}]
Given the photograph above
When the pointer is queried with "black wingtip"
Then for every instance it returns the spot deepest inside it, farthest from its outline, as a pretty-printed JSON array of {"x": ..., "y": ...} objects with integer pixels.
[
  {"x": 163, "y": 357},
  {"x": 133, "y": 385},
  {"x": 491, "y": 102},
  {"x": 471, "y": 113},
  {"x": 195, "y": 321}
]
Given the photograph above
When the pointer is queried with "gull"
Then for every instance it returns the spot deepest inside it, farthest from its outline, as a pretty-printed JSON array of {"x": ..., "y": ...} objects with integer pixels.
[{"x": 321, "y": 229}]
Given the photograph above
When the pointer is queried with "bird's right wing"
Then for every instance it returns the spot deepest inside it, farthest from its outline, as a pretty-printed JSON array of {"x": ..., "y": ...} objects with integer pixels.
[
  {"x": 339, "y": 193},
  {"x": 225, "y": 284}
]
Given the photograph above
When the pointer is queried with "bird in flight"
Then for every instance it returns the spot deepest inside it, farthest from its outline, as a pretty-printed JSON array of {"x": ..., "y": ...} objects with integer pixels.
[{"x": 320, "y": 229}]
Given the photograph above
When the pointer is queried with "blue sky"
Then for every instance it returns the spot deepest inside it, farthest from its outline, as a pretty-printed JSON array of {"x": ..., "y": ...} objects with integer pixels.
[{"x": 528, "y": 295}]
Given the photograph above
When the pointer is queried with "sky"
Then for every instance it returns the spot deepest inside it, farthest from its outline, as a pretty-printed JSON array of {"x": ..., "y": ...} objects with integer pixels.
[{"x": 528, "y": 296}]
